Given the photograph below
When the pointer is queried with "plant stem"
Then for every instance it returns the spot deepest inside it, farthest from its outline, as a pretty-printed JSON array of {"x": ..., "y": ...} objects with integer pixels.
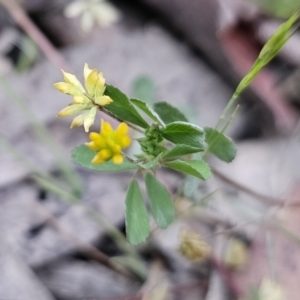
[
  {"x": 231, "y": 118},
  {"x": 226, "y": 109}
]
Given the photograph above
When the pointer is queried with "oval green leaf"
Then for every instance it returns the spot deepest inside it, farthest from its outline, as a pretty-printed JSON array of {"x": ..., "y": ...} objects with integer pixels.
[
  {"x": 220, "y": 145},
  {"x": 180, "y": 150},
  {"x": 83, "y": 156},
  {"x": 185, "y": 133},
  {"x": 122, "y": 108},
  {"x": 161, "y": 204},
  {"x": 137, "y": 220},
  {"x": 197, "y": 168}
]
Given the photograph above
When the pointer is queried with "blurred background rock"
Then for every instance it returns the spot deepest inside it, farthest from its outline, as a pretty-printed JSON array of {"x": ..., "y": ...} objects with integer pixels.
[{"x": 193, "y": 53}]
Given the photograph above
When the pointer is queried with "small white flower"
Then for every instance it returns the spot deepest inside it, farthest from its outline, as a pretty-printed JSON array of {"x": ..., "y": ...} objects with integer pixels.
[{"x": 92, "y": 11}]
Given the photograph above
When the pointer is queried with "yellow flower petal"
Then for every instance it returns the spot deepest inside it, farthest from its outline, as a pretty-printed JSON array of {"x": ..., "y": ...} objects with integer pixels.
[
  {"x": 86, "y": 71},
  {"x": 77, "y": 121},
  {"x": 125, "y": 141},
  {"x": 116, "y": 149},
  {"x": 67, "y": 88},
  {"x": 89, "y": 118},
  {"x": 71, "y": 110},
  {"x": 91, "y": 82},
  {"x": 105, "y": 154},
  {"x": 100, "y": 85},
  {"x": 117, "y": 159},
  {"x": 94, "y": 136},
  {"x": 122, "y": 129},
  {"x": 103, "y": 100},
  {"x": 80, "y": 99},
  {"x": 106, "y": 128},
  {"x": 72, "y": 79},
  {"x": 92, "y": 146},
  {"x": 97, "y": 159}
]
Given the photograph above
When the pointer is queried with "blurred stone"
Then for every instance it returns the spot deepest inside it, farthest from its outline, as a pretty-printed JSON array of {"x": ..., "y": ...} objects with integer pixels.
[
  {"x": 263, "y": 166},
  {"x": 79, "y": 279},
  {"x": 16, "y": 279},
  {"x": 36, "y": 241}
]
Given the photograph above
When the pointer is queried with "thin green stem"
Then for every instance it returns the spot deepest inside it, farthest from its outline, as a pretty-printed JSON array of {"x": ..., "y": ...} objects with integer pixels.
[
  {"x": 226, "y": 109},
  {"x": 231, "y": 118}
]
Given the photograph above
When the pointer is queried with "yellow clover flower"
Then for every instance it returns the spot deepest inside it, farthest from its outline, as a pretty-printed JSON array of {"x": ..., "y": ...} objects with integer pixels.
[
  {"x": 109, "y": 143},
  {"x": 84, "y": 99}
]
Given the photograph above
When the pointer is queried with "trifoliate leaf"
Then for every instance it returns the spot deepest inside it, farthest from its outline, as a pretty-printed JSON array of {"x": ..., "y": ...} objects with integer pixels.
[
  {"x": 169, "y": 113},
  {"x": 122, "y": 108},
  {"x": 83, "y": 156},
  {"x": 137, "y": 220},
  {"x": 220, "y": 145},
  {"x": 161, "y": 204},
  {"x": 197, "y": 168},
  {"x": 185, "y": 133}
]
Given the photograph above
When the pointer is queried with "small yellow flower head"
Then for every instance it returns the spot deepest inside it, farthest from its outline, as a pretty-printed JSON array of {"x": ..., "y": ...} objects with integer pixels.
[
  {"x": 95, "y": 85},
  {"x": 88, "y": 99},
  {"x": 109, "y": 143},
  {"x": 193, "y": 247}
]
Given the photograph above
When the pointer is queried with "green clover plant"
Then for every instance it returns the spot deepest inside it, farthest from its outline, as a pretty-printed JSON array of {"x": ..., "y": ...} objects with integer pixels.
[{"x": 166, "y": 137}]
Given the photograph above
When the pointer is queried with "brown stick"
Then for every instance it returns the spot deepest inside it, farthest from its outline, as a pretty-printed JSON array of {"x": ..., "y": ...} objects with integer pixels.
[{"x": 21, "y": 18}]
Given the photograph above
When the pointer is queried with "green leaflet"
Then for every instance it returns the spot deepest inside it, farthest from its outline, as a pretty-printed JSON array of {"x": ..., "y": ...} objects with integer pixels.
[
  {"x": 122, "y": 108},
  {"x": 186, "y": 134},
  {"x": 161, "y": 204},
  {"x": 137, "y": 220},
  {"x": 180, "y": 150},
  {"x": 197, "y": 168},
  {"x": 220, "y": 145}
]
